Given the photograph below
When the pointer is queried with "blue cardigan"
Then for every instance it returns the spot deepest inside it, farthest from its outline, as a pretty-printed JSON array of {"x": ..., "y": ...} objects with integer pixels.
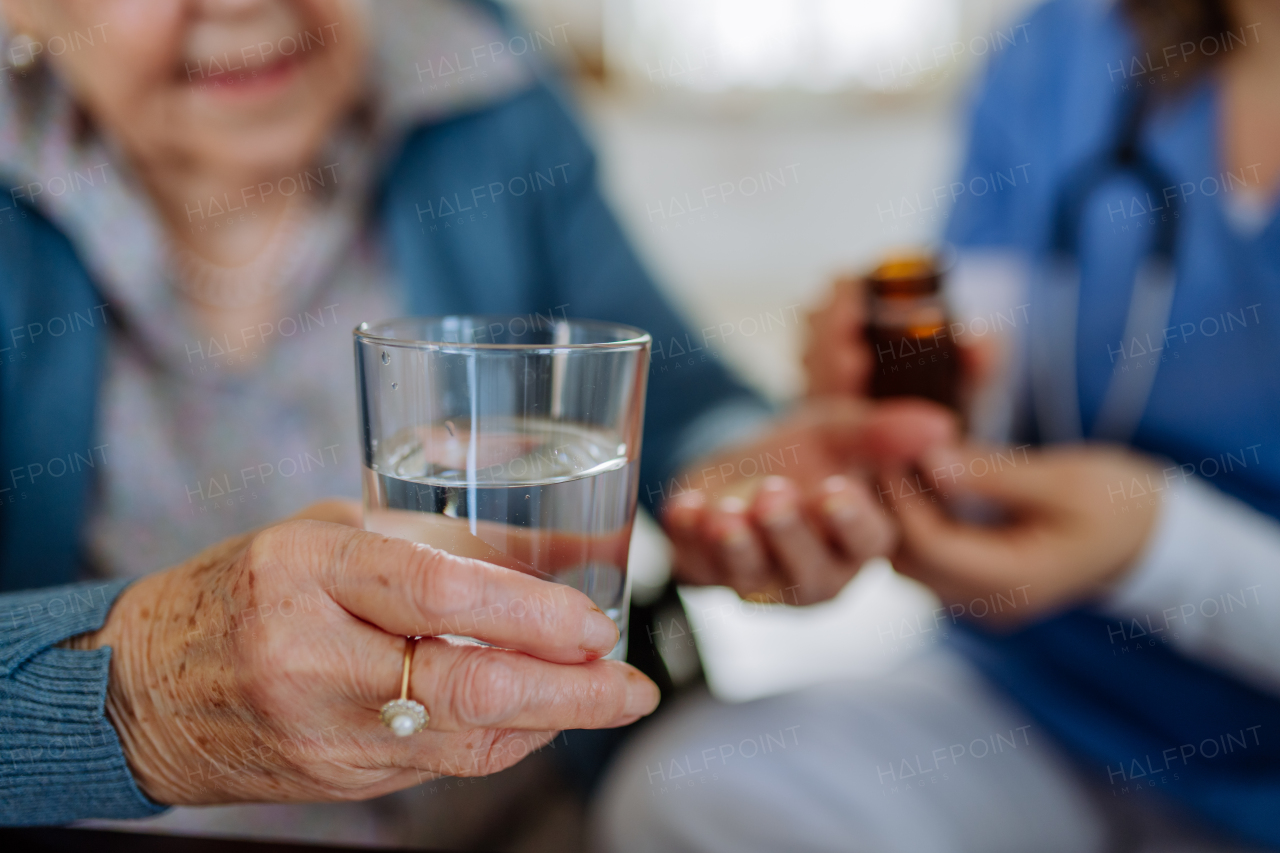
[
  {"x": 556, "y": 246},
  {"x": 454, "y": 251}
]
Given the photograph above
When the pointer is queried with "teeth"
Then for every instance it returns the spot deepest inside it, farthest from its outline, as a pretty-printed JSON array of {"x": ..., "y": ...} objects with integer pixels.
[{"x": 248, "y": 58}]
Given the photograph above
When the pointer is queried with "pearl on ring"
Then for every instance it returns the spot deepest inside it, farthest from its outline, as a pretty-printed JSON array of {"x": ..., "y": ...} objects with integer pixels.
[{"x": 404, "y": 717}]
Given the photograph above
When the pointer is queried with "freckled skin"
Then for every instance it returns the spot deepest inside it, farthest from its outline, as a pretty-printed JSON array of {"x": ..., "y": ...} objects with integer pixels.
[{"x": 218, "y": 697}]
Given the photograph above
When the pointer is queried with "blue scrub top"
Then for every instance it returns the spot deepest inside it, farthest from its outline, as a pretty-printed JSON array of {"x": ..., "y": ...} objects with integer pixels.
[{"x": 1050, "y": 102}]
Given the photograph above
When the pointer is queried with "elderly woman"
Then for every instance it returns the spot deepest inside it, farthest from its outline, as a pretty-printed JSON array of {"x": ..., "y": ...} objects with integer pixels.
[{"x": 206, "y": 195}]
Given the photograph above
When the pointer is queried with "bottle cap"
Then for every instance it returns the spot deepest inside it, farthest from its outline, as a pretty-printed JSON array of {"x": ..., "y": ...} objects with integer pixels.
[{"x": 906, "y": 275}]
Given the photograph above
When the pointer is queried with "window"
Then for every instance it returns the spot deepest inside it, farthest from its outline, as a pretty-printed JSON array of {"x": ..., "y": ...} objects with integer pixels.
[{"x": 812, "y": 45}]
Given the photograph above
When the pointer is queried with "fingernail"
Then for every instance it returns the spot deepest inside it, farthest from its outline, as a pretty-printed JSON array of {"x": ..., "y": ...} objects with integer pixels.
[
  {"x": 599, "y": 633},
  {"x": 778, "y": 509},
  {"x": 839, "y": 509},
  {"x": 730, "y": 527},
  {"x": 732, "y": 505},
  {"x": 773, "y": 484},
  {"x": 836, "y": 483},
  {"x": 642, "y": 695}
]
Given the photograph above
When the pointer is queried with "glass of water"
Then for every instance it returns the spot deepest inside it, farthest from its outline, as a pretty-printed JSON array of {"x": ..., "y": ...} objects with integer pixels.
[{"x": 514, "y": 440}]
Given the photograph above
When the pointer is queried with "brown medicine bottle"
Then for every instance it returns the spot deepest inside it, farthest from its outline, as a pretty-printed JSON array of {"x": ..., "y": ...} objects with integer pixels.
[{"x": 912, "y": 350}]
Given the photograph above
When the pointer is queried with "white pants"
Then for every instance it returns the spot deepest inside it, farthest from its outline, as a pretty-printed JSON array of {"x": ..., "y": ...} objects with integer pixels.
[{"x": 927, "y": 759}]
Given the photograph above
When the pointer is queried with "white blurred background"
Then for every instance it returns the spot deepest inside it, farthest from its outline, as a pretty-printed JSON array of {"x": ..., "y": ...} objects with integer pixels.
[
  {"x": 857, "y": 105},
  {"x": 753, "y": 149}
]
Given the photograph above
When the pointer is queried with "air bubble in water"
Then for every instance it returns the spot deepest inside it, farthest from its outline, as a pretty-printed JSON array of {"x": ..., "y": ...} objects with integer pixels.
[
  {"x": 395, "y": 385},
  {"x": 386, "y": 357}
]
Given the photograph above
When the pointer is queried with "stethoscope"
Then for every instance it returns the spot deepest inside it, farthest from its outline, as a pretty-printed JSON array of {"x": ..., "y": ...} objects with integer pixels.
[{"x": 1055, "y": 298}]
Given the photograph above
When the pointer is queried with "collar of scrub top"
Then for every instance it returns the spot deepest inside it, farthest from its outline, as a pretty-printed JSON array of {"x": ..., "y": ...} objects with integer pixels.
[{"x": 1054, "y": 394}]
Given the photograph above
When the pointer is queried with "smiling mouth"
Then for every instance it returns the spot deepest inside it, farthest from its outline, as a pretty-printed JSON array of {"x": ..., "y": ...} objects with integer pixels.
[{"x": 229, "y": 74}]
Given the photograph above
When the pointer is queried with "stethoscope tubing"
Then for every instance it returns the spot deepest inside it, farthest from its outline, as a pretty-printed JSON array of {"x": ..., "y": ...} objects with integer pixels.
[{"x": 1053, "y": 336}]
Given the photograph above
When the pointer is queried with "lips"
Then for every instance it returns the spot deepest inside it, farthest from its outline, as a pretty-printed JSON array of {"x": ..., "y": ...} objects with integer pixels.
[{"x": 230, "y": 74}]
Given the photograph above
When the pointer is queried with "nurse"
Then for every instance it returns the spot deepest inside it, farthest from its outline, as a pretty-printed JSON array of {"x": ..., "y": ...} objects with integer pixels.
[{"x": 1109, "y": 675}]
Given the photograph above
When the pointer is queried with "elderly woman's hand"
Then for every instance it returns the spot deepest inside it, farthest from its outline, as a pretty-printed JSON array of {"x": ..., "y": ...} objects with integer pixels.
[
  {"x": 255, "y": 671},
  {"x": 799, "y": 534}
]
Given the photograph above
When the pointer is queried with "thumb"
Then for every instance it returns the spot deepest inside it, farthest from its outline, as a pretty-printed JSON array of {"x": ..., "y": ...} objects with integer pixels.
[
  {"x": 947, "y": 555},
  {"x": 932, "y": 537},
  {"x": 836, "y": 359},
  {"x": 1008, "y": 475}
]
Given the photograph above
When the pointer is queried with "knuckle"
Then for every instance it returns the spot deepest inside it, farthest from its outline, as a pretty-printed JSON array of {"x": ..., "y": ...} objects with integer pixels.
[
  {"x": 439, "y": 587},
  {"x": 264, "y": 547},
  {"x": 485, "y": 690},
  {"x": 343, "y": 554},
  {"x": 287, "y": 543},
  {"x": 270, "y": 671}
]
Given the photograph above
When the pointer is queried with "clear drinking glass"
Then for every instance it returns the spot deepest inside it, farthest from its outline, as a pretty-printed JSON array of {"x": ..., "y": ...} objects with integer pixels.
[{"x": 514, "y": 440}]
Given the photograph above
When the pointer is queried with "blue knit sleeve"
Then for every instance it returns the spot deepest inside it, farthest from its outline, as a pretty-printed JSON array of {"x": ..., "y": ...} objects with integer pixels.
[{"x": 60, "y": 758}]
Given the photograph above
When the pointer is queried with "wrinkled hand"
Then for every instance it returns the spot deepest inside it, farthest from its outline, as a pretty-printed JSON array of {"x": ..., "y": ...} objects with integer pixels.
[
  {"x": 791, "y": 516},
  {"x": 1072, "y": 526},
  {"x": 255, "y": 671}
]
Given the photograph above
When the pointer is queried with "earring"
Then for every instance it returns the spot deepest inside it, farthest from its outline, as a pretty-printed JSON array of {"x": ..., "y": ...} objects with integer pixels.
[{"x": 22, "y": 51}]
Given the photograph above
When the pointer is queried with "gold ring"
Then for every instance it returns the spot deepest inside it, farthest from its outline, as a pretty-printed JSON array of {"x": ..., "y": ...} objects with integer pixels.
[{"x": 405, "y": 716}]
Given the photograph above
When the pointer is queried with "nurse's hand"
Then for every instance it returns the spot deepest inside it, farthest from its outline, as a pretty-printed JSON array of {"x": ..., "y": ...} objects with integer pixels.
[
  {"x": 793, "y": 515},
  {"x": 1074, "y": 520},
  {"x": 255, "y": 670}
]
